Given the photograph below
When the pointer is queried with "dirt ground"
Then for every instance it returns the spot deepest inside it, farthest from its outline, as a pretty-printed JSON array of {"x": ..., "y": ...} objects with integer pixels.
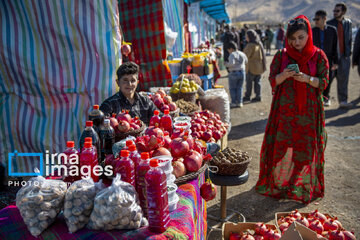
[{"x": 342, "y": 160}]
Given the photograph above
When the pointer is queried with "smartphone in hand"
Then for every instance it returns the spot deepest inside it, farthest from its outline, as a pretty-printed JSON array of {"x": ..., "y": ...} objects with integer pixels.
[{"x": 293, "y": 67}]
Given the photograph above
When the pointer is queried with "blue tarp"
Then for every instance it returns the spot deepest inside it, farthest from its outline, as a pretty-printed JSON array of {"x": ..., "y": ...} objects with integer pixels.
[{"x": 214, "y": 8}]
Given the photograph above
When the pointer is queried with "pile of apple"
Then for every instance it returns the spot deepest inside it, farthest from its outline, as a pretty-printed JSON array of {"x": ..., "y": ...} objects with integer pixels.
[
  {"x": 325, "y": 226},
  {"x": 123, "y": 122},
  {"x": 260, "y": 232},
  {"x": 163, "y": 101},
  {"x": 208, "y": 126}
]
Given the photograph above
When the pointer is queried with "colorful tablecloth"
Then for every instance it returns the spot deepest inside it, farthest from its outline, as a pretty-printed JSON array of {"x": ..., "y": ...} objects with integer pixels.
[{"x": 188, "y": 221}]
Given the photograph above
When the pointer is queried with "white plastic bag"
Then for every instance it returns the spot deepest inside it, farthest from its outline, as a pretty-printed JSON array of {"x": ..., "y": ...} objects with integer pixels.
[
  {"x": 170, "y": 37},
  {"x": 117, "y": 207},
  {"x": 39, "y": 202},
  {"x": 217, "y": 101}
]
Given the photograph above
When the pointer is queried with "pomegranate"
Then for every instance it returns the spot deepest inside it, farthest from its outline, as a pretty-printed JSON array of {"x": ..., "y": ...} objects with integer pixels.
[
  {"x": 234, "y": 236},
  {"x": 258, "y": 237},
  {"x": 165, "y": 107},
  {"x": 303, "y": 221},
  {"x": 125, "y": 49},
  {"x": 193, "y": 161},
  {"x": 161, "y": 92},
  {"x": 124, "y": 126},
  {"x": 283, "y": 226},
  {"x": 179, "y": 148},
  {"x": 336, "y": 235},
  {"x": 318, "y": 215},
  {"x": 113, "y": 121},
  {"x": 295, "y": 214},
  {"x": 196, "y": 135},
  {"x": 172, "y": 106},
  {"x": 167, "y": 141},
  {"x": 159, "y": 102},
  {"x": 134, "y": 126},
  {"x": 154, "y": 131},
  {"x": 260, "y": 228},
  {"x": 167, "y": 99},
  {"x": 208, "y": 191},
  {"x": 178, "y": 169},
  {"x": 268, "y": 234},
  {"x": 337, "y": 222},
  {"x": 330, "y": 225},
  {"x": 316, "y": 226},
  {"x": 189, "y": 139},
  {"x": 154, "y": 142},
  {"x": 207, "y": 135},
  {"x": 217, "y": 135},
  {"x": 178, "y": 133},
  {"x": 156, "y": 96},
  {"x": 247, "y": 237},
  {"x": 200, "y": 121},
  {"x": 161, "y": 151},
  {"x": 124, "y": 116},
  {"x": 348, "y": 235},
  {"x": 276, "y": 236}
]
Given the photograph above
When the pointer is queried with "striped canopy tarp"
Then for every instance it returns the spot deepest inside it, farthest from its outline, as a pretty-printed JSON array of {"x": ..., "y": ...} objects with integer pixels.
[
  {"x": 58, "y": 58},
  {"x": 142, "y": 22}
]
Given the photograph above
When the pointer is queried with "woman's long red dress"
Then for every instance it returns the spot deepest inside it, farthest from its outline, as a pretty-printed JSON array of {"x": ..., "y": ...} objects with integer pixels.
[{"x": 292, "y": 153}]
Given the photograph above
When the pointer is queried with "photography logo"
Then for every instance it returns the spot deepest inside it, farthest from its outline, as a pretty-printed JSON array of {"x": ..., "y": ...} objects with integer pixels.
[{"x": 36, "y": 157}]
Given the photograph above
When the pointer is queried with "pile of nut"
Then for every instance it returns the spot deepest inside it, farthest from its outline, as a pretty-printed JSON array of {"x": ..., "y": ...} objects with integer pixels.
[
  {"x": 79, "y": 202},
  {"x": 230, "y": 155},
  {"x": 186, "y": 107},
  {"x": 117, "y": 207},
  {"x": 39, "y": 202}
]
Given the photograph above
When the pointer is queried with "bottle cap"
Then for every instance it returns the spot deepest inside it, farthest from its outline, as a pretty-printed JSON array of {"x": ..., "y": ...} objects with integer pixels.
[
  {"x": 96, "y": 107},
  {"x": 70, "y": 144},
  {"x": 166, "y": 111},
  {"x": 129, "y": 143},
  {"x": 114, "y": 115},
  {"x": 156, "y": 112},
  {"x": 145, "y": 155},
  {"x": 106, "y": 121},
  {"x": 132, "y": 148},
  {"x": 154, "y": 163},
  {"x": 87, "y": 144},
  {"x": 88, "y": 139},
  {"x": 124, "y": 153},
  {"x": 89, "y": 123}
]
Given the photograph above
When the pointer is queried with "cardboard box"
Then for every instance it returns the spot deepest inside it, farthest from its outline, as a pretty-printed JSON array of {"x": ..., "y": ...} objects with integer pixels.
[
  {"x": 224, "y": 141},
  {"x": 297, "y": 231},
  {"x": 240, "y": 227}
]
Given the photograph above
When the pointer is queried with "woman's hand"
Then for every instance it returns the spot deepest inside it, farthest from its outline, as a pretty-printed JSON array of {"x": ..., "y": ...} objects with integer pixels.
[
  {"x": 287, "y": 73},
  {"x": 301, "y": 77}
]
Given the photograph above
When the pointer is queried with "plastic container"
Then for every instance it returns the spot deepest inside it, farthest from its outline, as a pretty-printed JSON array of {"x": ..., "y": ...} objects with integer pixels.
[
  {"x": 157, "y": 197},
  {"x": 173, "y": 204},
  {"x": 182, "y": 125},
  {"x": 125, "y": 167},
  {"x": 97, "y": 117},
  {"x": 70, "y": 149},
  {"x": 88, "y": 158},
  {"x": 183, "y": 119},
  {"x": 171, "y": 188},
  {"x": 170, "y": 179},
  {"x": 141, "y": 171},
  {"x": 107, "y": 138},
  {"x": 164, "y": 162}
]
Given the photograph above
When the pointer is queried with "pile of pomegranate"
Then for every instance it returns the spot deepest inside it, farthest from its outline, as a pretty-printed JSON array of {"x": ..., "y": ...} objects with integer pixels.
[
  {"x": 123, "y": 122},
  {"x": 163, "y": 101},
  {"x": 208, "y": 126},
  {"x": 324, "y": 225},
  {"x": 260, "y": 231}
]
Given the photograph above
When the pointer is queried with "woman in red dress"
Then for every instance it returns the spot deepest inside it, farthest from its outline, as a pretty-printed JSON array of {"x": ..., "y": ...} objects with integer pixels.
[{"x": 292, "y": 153}]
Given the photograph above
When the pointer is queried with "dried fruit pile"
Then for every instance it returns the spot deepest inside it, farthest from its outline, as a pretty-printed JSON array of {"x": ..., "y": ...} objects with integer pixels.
[
  {"x": 230, "y": 155},
  {"x": 186, "y": 107}
]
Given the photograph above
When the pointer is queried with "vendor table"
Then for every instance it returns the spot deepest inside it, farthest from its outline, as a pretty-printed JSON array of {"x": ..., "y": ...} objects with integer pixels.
[{"x": 188, "y": 221}]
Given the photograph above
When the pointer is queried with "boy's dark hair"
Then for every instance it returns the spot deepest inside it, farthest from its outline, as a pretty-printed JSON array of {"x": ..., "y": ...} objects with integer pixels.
[
  {"x": 296, "y": 27},
  {"x": 232, "y": 45},
  {"x": 342, "y": 5},
  {"x": 321, "y": 13},
  {"x": 127, "y": 68},
  {"x": 227, "y": 27}
]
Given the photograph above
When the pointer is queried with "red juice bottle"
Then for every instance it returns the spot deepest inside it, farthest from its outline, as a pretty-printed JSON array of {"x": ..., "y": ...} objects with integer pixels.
[
  {"x": 141, "y": 171},
  {"x": 134, "y": 155},
  {"x": 157, "y": 197},
  {"x": 125, "y": 167},
  {"x": 69, "y": 151},
  {"x": 155, "y": 119},
  {"x": 88, "y": 158},
  {"x": 89, "y": 139},
  {"x": 166, "y": 122},
  {"x": 128, "y": 144}
]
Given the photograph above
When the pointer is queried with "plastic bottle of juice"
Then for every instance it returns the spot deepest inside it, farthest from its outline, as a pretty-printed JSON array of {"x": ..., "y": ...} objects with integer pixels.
[
  {"x": 89, "y": 139},
  {"x": 128, "y": 143},
  {"x": 88, "y": 158},
  {"x": 97, "y": 116},
  {"x": 166, "y": 122},
  {"x": 125, "y": 167},
  {"x": 70, "y": 149},
  {"x": 157, "y": 197},
  {"x": 155, "y": 119},
  {"x": 141, "y": 171},
  {"x": 107, "y": 139},
  {"x": 90, "y": 132},
  {"x": 135, "y": 157}
]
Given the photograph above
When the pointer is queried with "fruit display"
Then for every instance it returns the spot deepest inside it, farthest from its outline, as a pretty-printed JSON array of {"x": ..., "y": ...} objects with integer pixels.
[
  {"x": 256, "y": 231},
  {"x": 185, "y": 86},
  {"x": 125, "y": 123},
  {"x": 324, "y": 225},
  {"x": 186, "y": 107},
  {"x": 163, "y": 101},
  {"x": 207, "y": 126}
]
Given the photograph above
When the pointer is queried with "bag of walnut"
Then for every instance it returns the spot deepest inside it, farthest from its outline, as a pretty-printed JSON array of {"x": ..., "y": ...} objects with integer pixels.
[
  {"x": 79, "y": 203},
  {"x": 39, "y": 202},
  {"x": 117, "y": 207}
]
